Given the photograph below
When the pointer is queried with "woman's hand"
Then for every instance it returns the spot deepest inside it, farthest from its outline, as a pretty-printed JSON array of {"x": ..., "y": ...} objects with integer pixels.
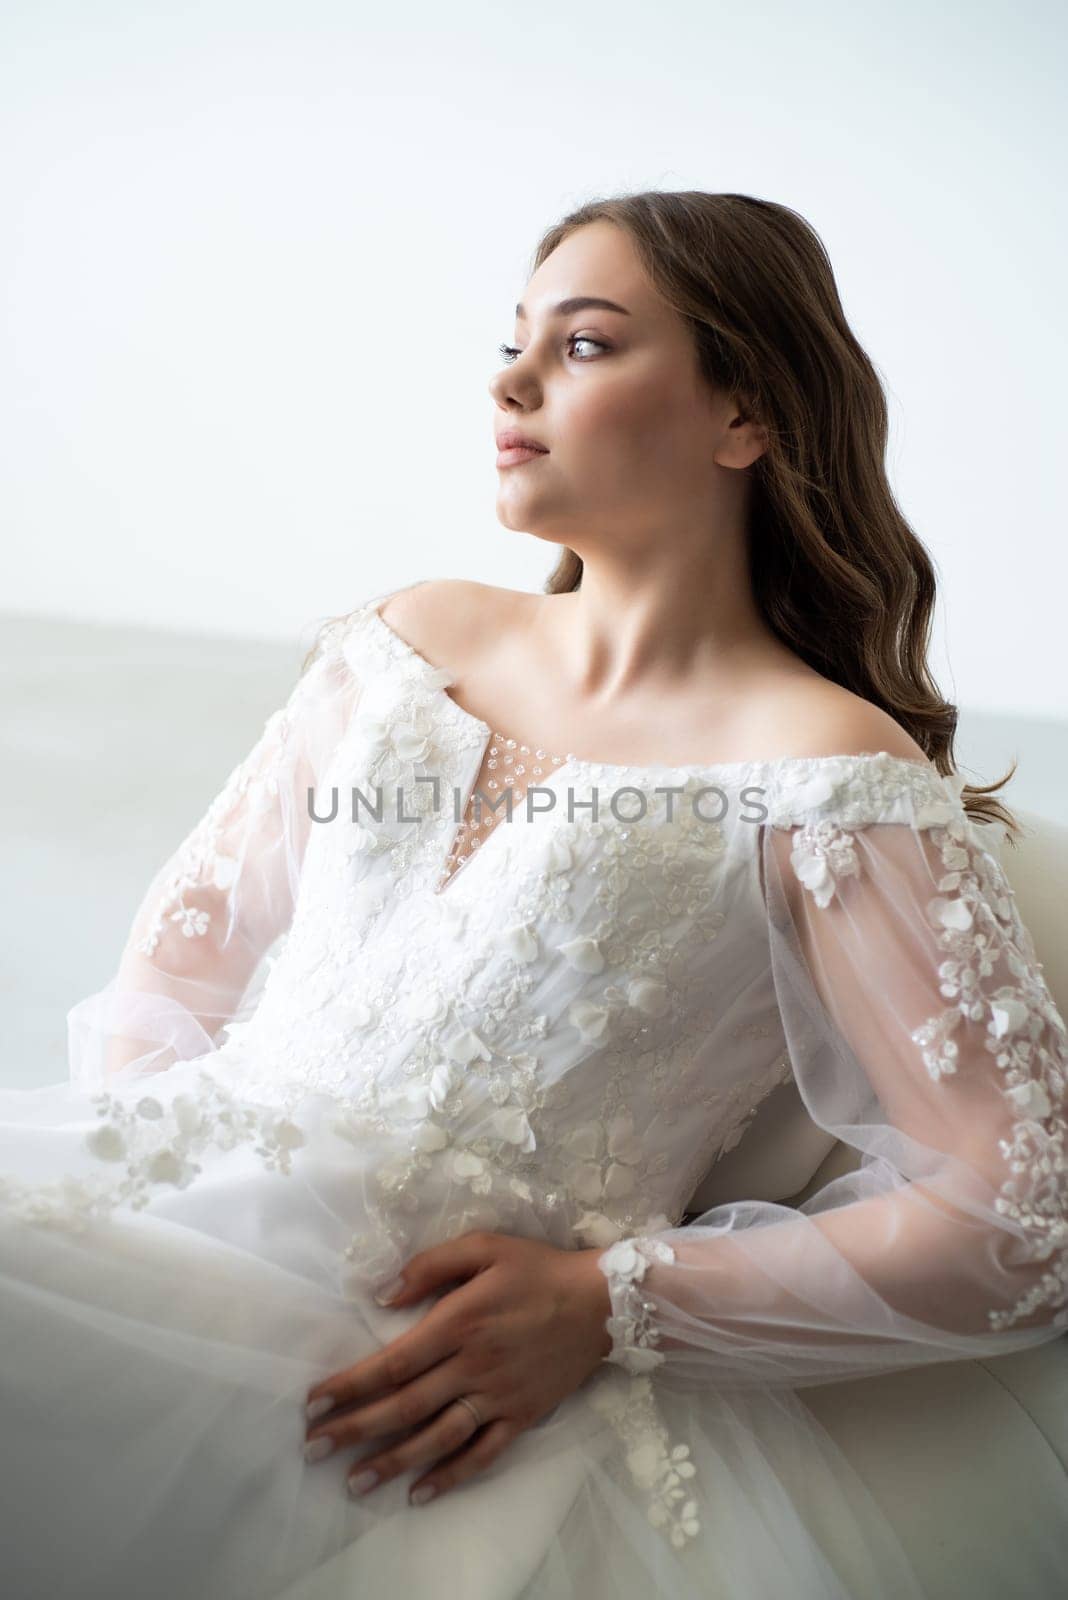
[{"x": 523, "y": 1331}]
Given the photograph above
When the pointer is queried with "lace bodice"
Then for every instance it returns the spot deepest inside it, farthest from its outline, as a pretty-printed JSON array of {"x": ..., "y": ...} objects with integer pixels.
[
  {"x": 570, "y": 1035},
  {"x": 587, "y": 939}
]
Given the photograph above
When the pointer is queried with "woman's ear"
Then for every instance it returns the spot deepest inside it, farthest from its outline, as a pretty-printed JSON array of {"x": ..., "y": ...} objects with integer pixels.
[{"x": 745, "y": 442}]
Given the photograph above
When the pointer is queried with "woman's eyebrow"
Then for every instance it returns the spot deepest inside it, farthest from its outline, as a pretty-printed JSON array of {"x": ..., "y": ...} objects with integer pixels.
[{"x": 582, "y": 302}]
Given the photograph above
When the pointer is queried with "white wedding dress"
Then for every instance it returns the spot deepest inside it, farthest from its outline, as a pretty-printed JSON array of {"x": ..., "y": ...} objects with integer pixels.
[{"x": 315, "y": 1060}]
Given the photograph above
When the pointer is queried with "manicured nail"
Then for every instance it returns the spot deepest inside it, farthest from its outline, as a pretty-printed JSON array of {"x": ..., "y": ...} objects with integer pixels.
[
  {"x": 362, "y": 1481},
  {"x": 390, "y": 1292},
  {"x": 316, "y": 1449},
  {"x": 318, "y": 1408},
  {"x": 420, "y": 1496}
]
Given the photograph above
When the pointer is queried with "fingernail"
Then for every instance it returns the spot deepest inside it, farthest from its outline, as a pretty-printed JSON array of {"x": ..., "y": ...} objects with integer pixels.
[
  {"x": 362, "y": 1481},
  {"x": 318, "y": 1408},
  {"x": 316, "y": 1449},
  {"x": 420, "y": 1496},
  {"x": 390, "y": 1292}
]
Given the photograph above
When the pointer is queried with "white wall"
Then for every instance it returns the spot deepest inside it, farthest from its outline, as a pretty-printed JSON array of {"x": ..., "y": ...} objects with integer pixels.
[{"x": 249, "y": 253}]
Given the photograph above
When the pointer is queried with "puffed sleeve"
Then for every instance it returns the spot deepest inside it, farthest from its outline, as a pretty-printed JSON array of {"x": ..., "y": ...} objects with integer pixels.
[
  {"x": 193, "y": 959},
  {"x": 922, "y": 1033}
]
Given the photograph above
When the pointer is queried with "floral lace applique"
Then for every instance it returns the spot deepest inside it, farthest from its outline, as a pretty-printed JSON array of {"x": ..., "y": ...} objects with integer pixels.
[
  {"x": 210, "y": 857},
  {"x": 822, "y": 854},
  {"x": 632, "y": 1325},
  {"x": 871, "y": 786},
  {"x": 200, "y": 861},
  {"x": 657, "y": 1467},
  {"x": 157, "y": 1145},
  {"x": 979, "y": 928}
]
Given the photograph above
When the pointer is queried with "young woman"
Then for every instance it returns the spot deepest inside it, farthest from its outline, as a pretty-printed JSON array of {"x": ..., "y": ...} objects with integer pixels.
[{"x": 708, "y": 858}]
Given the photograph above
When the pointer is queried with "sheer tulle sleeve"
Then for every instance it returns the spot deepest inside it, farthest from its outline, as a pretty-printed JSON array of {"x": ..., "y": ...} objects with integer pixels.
[
  {"x": 921, "y": 1032},
  {"x": 193, "y": 961}
]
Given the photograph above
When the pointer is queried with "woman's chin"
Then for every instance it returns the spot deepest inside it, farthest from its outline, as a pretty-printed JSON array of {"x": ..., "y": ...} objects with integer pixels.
[
  {"x": 530, "y": 512},
  {"x": 531, "y": 526}
]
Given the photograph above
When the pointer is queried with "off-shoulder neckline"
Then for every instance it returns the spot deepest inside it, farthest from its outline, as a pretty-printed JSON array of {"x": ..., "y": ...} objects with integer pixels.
[{"x": 401, "y": 647}]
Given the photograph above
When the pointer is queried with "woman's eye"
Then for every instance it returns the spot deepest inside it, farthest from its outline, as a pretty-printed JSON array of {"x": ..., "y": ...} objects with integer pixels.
[
  {"x": 584, "y": 338},
  {"x": 508, "y": 352}
]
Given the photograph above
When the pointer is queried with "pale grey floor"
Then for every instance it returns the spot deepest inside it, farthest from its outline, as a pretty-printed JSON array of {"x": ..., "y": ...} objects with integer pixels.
[{"x": 115, "y": 739}]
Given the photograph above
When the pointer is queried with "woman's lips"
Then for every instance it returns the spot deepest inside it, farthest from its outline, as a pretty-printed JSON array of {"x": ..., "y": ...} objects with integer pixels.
[{"x": 513, "y": 457}]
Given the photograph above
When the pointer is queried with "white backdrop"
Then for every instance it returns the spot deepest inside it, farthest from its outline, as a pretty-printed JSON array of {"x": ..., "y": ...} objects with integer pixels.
[{"x": 256, "y": 259}]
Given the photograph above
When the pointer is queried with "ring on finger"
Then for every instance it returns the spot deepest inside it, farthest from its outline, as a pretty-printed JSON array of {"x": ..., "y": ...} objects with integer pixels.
[
  {"x": 370, "y": 1475},
  {"x": 462, "y": 1400}
]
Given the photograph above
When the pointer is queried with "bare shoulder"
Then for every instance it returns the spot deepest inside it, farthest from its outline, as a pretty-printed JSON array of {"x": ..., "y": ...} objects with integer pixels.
[
  {"x": 450, "y": 619},
  {"x": 815, "y": 717}
]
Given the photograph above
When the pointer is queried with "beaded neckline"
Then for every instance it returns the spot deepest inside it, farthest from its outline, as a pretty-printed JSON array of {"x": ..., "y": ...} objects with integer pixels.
[{"x": 467, "y": 840}]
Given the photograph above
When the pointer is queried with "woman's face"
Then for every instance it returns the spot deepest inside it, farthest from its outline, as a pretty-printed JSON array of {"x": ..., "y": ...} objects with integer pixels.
[{"x": 631, "y": 428}]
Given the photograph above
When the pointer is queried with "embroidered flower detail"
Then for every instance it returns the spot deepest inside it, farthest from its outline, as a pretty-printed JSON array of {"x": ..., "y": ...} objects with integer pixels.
[
  {"x": 166, "y": 1166},
  {"x": 584, "y": 954},
  {"x": 938, "y": 1049},
  {"x": 157, "y": 1147},
  {"x": 590, "y": 1019},
  {"x": 607, "y": 1159},
  {"x": 1031, "y": 1100},
  {"x": 409, "y": 1103},
  {"x": 822, "y": 854},
  {"x": 431, "y": 1137},
  {"x": 466, "y": 1046},
  {"x": 354, "y": 1016},
  {"x": 520, "y": 942},
  {"x": 443, "y": 1080},
  {"x": 951, "y": 914},
  {"x": 594, "y": 1229},
  {"x": 193, "y": 923},
  {"x": 373, "y": 1257},
  {"x": 471, "y": 1169},
  {"x": 106, "y": 1143},
  {"x": 511, "y": 1124},
  {"x": 1008, "y": 1014},
  {"x": 633, "y": 1328},
  {"x": 810, "y": 793},
  {"x": 649, "y": 995},
  {"x": 657, "y": 1468},
  {"x": 392, "y": 731},
  {"x": 977, "y": 924},
  {"x": 411, "y": 744},
  {"x": 936, "y": 811},
  {"x": 208, "y": 860}
]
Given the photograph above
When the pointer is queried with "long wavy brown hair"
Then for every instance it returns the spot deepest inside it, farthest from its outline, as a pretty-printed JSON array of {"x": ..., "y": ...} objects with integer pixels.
[{"x": 837, "y": 572}]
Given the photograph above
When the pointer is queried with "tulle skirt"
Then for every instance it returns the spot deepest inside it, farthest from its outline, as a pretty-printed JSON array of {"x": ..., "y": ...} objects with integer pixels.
[{"x": 155, "y": 1364}]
